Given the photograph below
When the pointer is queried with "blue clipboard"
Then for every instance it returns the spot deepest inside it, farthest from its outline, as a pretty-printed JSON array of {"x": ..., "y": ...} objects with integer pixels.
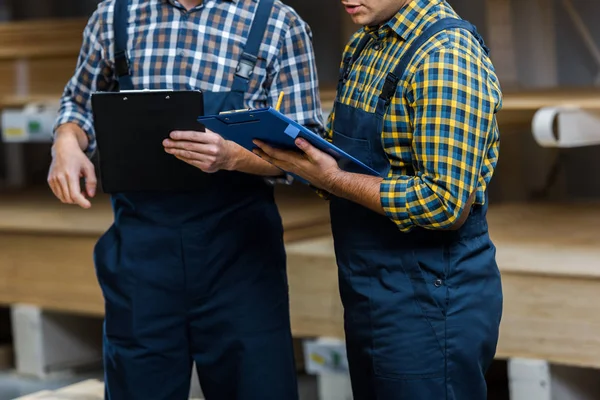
[{"x": 277, "y": 130}]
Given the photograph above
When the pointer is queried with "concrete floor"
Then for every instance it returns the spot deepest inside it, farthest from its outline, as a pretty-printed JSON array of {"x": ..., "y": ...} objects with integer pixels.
[{"x": 13, "y": 386}]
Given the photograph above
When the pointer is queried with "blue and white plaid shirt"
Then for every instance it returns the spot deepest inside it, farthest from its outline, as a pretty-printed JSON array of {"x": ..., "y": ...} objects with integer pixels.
[{"x": 171, "y": 48}]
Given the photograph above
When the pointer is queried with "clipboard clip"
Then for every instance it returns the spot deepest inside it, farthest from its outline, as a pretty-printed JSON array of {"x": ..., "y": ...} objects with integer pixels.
[{"x": 235, "y": 111}]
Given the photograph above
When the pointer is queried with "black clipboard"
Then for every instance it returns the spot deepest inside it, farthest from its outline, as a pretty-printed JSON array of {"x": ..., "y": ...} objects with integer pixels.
[{"x": 130, "y": 127}]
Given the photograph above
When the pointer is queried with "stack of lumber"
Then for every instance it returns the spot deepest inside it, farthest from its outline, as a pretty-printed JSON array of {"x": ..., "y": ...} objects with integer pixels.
[
  {"x": 37, "y": 58},
  {"x": 549, "y": 256}
]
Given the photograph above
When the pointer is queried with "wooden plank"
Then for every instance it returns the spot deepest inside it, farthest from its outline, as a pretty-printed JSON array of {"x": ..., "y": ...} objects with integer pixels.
[
  {"x": 37, "y": 210},
  {"x": 52, "y": 272},
  {"x": 542, "y": 239},
  {"x": 7, "y": 77},
  {"x": 41, "y": 38},
  {"x": 552, "y": 318},
  {"x": 315, "y": 305}
]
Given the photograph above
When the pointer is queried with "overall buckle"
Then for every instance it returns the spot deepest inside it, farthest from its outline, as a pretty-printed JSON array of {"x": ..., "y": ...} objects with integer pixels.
[
  {"x": 389, "y": 87},
  {"x": 121, "y": 63},
  {"x": 245, "y": 67}
]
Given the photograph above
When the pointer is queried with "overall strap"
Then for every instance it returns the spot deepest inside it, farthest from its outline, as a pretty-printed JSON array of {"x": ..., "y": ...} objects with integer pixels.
[
  {"x": 351, "y": 59},
  {"x": 120, "y": 22},
  {"x": 249, "y": 56},
  {"x": 391, "y": 81}
]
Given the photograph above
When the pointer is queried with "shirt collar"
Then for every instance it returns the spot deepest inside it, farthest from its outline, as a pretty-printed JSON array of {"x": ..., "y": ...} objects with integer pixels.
[
  {"x": 404, "y": 22},
  {"x": 176, "y": 3}
]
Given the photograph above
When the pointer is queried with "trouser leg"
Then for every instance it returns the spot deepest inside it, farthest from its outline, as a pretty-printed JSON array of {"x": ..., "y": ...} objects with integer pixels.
[
  {"x": 240, "y": 323},
  {"x": 145, "y": 338}
]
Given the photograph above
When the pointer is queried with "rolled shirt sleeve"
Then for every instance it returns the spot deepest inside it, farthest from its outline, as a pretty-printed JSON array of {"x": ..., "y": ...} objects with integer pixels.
[
  {"x": 453, "y": 105},
  {"x": 91, "y": 73}
]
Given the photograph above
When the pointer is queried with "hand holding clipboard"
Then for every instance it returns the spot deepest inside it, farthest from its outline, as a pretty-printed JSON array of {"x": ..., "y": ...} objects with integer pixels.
[{"x": 269, "y": 126}]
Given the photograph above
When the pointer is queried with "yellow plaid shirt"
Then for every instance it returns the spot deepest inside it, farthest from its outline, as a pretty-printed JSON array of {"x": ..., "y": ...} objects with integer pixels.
[{"x": 441, "y": 124}]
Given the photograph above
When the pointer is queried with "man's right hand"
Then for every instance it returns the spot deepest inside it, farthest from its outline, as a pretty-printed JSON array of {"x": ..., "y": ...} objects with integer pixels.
[{"x": 69, "y": 164}]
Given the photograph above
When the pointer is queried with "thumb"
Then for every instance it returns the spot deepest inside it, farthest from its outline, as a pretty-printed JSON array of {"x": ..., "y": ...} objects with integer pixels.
[
  {"x": 90, "y": 178},
  {"x": 312, "y": 152}
]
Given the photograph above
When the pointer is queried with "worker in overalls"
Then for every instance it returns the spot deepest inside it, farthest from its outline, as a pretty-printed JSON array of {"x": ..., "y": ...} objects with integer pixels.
[
  {"x": 422, "y": 294},
  {"x": 197, "y": 276}
]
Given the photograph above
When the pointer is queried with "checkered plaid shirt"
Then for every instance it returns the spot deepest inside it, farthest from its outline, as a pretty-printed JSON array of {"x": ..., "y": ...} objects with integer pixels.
[
  {"x": 441, "y": 123},
  {"x": 172, "y": 48}
]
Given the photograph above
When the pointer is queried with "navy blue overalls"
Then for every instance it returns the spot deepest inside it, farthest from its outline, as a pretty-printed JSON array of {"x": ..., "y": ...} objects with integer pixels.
[
  {"x": 422, "y": 309},
  {"x": 197, "y": 276}
]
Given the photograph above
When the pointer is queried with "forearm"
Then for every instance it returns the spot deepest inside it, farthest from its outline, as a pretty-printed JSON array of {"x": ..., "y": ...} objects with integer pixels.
[
  {"x": 248, "y": 162},
  {"x": 406, "y": 201},
  {"x": 358, "y": 188},
  {"x": 71, "y": 132}
]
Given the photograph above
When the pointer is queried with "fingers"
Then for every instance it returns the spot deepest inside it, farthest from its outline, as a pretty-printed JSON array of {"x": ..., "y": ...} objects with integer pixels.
[
  {"x": 272, "y": 152},
  {"x": 66, "y": 187},
  {"x": 187, "y": 148},
  {"x": 311, "y": 152},
  {"x": 281, "y": 164},
  {"x": 90, "y": 179},
  {"x": 75, "y": 192},
  {"x": 62, "y": 189},
  {"x": 207, "y": 137}
]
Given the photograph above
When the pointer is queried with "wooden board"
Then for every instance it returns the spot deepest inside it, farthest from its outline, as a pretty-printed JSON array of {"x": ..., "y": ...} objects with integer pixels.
[
  {"x": 41, "y": 38},
  {"x": 37, "y": 58},
  {"x": 547, "y": 239},
  {"x": 40, "y": 212},
  {"x": 315, "y": 305}
]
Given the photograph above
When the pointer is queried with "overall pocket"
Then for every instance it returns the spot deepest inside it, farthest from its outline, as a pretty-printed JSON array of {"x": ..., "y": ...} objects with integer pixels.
[
  {"x": 357, "y": 148},
  {"x": 408, "y": 325}
]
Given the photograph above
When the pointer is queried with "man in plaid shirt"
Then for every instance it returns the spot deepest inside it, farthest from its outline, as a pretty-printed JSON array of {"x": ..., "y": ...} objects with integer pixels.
[
  {"x": 417, "y": 102},
  {"x": 199, "y": 275}
]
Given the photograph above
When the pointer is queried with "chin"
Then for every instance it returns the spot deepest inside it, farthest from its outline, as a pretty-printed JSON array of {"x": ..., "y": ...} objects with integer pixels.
[{"x": 360, "y": 20}]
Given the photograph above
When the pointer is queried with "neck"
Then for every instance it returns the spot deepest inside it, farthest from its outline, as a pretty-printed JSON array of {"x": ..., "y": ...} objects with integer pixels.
[{"x": 189, "y": 4}]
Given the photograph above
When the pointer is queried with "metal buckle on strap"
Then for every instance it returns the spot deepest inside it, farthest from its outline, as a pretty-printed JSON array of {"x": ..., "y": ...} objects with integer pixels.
[
  {"x": 245, "y": 67},
  {"x": 389, "y": 87},
  {"x": 121, "y": 63}
]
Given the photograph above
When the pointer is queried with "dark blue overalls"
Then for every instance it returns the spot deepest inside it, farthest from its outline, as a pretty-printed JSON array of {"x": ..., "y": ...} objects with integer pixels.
[
  {"x": 422, "y": 309},
  {"x": 197, "y": 276}
]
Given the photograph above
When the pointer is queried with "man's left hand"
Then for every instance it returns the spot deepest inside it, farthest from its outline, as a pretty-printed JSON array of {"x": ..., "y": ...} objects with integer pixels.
[
  {"x": 317, "y": 167},
  {"x": 207, "y": 151}
]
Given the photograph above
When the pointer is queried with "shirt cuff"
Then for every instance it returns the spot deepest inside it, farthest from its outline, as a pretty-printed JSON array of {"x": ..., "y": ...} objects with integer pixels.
[
  {"x": 325, "y": 195},
  {"x": 83, "y": 124},
  {"x": 285, "y": 180}
]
